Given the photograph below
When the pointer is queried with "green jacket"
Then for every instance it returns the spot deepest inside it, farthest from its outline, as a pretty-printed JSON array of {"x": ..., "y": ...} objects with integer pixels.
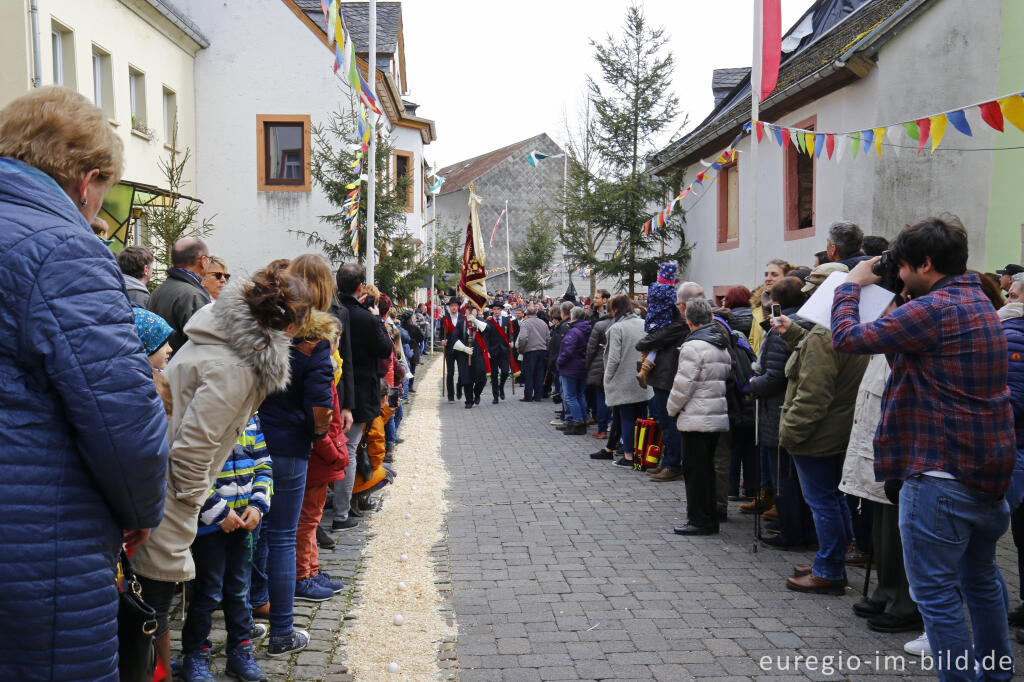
[{"x": 817, "y": 414}]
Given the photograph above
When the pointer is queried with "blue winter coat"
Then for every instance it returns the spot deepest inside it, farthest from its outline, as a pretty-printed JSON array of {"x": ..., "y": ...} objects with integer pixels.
[
  {"x": 296, "y": 416},
  {"x": 572, "y": 356},
  {"x": 1014, "y": 329},
  {"x": 82, "y": 435}
]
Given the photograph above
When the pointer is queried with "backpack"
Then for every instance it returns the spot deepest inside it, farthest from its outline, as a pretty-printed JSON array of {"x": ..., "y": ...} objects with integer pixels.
[
  {"x": 647, "y": 444},
  {"x": 737, "y": 387}
]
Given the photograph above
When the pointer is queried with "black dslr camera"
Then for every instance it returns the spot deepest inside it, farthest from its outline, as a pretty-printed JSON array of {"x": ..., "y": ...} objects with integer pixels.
[{"x": 888, "y": 269}]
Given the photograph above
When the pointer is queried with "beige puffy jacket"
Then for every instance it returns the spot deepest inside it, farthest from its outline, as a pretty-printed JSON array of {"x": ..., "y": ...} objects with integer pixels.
[
  {"x": 698, "y": 392},
  {"x": 217, "y": 380},
  {"x": 859, "y": 465}
]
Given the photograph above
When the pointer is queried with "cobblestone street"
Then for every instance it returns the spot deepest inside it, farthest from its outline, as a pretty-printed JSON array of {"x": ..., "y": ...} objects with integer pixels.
[{"x": 566, "y": 568}]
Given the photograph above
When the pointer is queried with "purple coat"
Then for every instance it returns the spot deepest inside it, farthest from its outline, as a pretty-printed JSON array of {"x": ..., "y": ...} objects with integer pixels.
[{"x": 572, "y": 355}]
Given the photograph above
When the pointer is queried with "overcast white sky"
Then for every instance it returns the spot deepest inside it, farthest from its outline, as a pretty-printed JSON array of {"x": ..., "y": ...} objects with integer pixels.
[{"x": 493, "y": 73}]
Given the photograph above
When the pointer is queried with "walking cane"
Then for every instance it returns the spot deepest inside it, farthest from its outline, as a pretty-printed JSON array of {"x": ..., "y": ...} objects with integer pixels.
[
  {"x": 757, "y": 507},
  {"x": 867, "y": 570}
]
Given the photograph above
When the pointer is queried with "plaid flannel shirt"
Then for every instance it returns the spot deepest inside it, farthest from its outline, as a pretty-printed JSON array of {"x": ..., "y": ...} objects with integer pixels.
[{"x": 946, "y": 405}]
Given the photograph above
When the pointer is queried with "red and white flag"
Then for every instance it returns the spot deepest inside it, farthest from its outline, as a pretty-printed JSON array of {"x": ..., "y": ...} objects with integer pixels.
[
  {"x": 496, "y": 223},
  {"x": 767, "y": 47}
]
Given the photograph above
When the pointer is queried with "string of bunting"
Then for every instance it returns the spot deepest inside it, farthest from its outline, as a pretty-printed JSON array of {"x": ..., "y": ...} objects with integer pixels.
[
  {"x": 350, "y": 207},
  {"x": 924, "y": 130},
  {"x": 345, "y": 55},
  {"x": 658, "y": 221},
  {"x": 546, "y": 277}
]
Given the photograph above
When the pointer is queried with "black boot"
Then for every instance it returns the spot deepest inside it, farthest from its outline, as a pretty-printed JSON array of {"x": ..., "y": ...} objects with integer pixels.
[
  {"x": 458, "y": 392},
  {"x": 501, "y": 389}
]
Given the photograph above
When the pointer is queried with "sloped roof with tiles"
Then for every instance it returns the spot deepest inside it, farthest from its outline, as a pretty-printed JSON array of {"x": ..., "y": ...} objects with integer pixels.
[{"x": 458, "y": 175}]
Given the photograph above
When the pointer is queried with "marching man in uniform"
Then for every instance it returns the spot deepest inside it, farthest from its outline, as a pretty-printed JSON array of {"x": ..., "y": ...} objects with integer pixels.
[
  {"x": 498, "y": 336},
  {"x": 451, "y": 323}
]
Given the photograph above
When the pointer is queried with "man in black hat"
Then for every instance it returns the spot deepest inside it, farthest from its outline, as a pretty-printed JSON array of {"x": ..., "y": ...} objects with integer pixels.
[
  {"x": 1006, "y": 275},
  {"x": 498, "y": 337},
  {"x": 451, "y": 324}
]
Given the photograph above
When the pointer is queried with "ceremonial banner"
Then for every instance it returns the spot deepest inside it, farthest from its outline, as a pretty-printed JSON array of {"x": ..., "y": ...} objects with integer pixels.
[{"x": 473, "y": 282}]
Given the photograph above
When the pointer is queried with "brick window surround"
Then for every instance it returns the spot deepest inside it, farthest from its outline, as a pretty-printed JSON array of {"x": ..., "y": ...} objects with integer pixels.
[
  {"x": 728, "y": 197},
  {"x": 795, "y": 165}
]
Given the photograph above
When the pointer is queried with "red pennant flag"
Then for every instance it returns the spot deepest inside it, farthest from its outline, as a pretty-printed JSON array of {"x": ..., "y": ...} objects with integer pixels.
[
  {"x": 760, "y": 131},
  {"x": 924, "y": 129},
  {"x": 785, "y": 138},
  {"x": 992, "y": 115},
  {"x": 770, "y": 44},
  {"x": 830, "y": 144},
  {"x": 700, "y": 176}
]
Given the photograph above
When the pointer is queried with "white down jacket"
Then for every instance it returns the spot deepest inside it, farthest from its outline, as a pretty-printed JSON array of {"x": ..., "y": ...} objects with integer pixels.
[
  {"x": 859, "y": 465},
  {"x": 698, "y": 392}
]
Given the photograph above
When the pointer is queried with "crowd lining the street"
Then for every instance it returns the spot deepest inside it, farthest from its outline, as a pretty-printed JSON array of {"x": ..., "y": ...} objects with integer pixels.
[
  {"x": 205, "y": 427},
  {"x": 894, "y": 443}
]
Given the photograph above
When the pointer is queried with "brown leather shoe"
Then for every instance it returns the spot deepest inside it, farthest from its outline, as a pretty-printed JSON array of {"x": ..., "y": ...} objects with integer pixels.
[
  {"x": 771, "y": 514},
  {"x": 655, "y": 470},
  {"x": 667, "y": 475},
  {"x": 800, "y": 570},
  {"x": 262, "y": 611},
  {"x": 764, "y": 502},
  {"x": 855, "y": 557},
  {"x": 812, "y": 584},
  {"x": 602, "y": 435}
]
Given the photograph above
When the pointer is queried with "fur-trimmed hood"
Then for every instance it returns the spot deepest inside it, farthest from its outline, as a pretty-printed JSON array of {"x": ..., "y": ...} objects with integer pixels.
[
  {"x": 229, "y": 321},
  {"x": 319, "y": 326}
]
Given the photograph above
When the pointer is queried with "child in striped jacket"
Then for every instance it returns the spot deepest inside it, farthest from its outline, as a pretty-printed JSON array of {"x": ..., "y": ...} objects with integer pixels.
[{"x": 239, "y": 499}]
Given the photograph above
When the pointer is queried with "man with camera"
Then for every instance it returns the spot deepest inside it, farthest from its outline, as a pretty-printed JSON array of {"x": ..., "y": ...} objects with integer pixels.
[{"x": 946, "y": 434}]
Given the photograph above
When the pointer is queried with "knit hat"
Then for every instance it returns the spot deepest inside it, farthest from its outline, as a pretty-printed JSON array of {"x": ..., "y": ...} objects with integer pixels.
[
  {"x": 153, "y": 331},
  {"x": 820, "y": 274},
  {"x": 667, "y": 273}
]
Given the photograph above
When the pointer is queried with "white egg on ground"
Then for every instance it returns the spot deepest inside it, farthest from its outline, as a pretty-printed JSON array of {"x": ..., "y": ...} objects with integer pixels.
[
  {"x": 398, "y": 619},
  {"x": 393, "y": 667},
  {"x": 403, "y": 557},
  {"x": 401, "y": 587}
]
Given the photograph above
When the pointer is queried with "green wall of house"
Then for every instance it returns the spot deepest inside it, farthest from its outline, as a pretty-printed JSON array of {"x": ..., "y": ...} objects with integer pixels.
[{"x": 1003, "y": 243}]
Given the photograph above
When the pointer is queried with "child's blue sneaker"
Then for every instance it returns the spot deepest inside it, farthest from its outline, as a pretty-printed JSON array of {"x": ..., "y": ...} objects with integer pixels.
[
  {"x": 308, "y": 590},
  {"x": 242, "y": 664},
  {"x": 195, "y": 667},
  {"x": 327, "y": 581},
  {"x": 296, "y": 640}
]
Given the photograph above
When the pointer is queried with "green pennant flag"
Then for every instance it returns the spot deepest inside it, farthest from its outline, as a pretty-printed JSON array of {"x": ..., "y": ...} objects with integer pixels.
[
  {"x": 799, "y": 136},
  {"x": 912, "y": 130},
  {"x": 854, "y": 144}
]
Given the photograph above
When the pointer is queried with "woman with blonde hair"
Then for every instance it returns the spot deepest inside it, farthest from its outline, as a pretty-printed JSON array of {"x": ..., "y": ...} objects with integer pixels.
[
  {"x": 774, "y": 270},
  {"x": 82, "y": 431},
  {"x": 216, "y": 277},
  {"x": 292, "y": 418}
]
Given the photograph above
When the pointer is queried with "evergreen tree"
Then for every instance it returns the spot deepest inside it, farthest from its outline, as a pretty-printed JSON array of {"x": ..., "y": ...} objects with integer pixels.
[
  {"x": 633, "y": 106},
  {"x": 534, "y": 256},
  {"x": 400, "y": 269},
  {"x": 165, "y": 222}
]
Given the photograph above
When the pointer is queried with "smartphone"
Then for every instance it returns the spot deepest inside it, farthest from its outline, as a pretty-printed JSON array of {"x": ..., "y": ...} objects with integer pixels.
[
  {"x": 776, "y": 310},
  {"x": 370, "y": 301}
]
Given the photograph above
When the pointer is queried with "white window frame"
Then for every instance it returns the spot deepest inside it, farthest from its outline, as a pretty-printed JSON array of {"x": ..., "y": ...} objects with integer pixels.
[
  {"x": 57, "y": 52},
  {"x": 170, "y": 117}
]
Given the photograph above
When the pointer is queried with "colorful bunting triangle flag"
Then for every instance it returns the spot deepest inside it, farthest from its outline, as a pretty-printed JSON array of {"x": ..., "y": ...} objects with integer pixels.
[
  {"x": 818, "y": 143},
  {"x": 1013, "y": 110},
  {"x": 868, "y": 136},
  {"x": 778, "y": 136},
  {"x": 785, "y": 137},
  {"x": 879, "y": 135},
  {"x": 759, "y": 127},
  {"x": 912, "y": 131},
  {"x": 937, "y": 129},
  {"x": 992, "y": 115},
  {"x": 830, "y": 144},
  {"x": 924, "y": 127},
  {"x": 959, "y": 120},
  {"x": 854, "y": 144}
]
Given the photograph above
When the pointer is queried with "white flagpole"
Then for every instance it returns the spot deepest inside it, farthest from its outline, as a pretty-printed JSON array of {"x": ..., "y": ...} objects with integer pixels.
[
  {"x": 433, "y": 266},
  {"x": 755, "y": 103},
  {"x": 508, "y": 257},
  {"x": 565, "y": 180},
  {"x": 371, "y": 79}
]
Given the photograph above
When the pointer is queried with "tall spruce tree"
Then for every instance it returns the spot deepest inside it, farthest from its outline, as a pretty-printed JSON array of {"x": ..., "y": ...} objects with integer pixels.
[{"x": 633, "y": 105}]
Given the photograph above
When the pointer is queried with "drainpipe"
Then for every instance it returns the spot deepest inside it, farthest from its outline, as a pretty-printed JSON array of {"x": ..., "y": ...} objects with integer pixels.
[{"x": 37, "y": 78}]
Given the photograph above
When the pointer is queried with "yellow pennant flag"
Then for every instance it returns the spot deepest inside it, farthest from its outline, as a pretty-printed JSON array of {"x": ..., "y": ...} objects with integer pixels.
[
  {"x": 809, "y": 143},
  {"x": 938, "y": 129},
  {"x": 1013, "y": 110},
  {"x": 879, "y": 136}
]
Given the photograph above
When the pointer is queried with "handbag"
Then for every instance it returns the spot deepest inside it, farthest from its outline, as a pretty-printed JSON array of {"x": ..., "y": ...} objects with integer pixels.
[
  {"x": 364, "y": 468},
  {"x": 136, "y": 627}
]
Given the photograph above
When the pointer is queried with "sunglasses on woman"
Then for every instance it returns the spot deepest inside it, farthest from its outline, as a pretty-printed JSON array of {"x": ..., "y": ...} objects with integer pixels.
[{"x": 222, "y": 276}]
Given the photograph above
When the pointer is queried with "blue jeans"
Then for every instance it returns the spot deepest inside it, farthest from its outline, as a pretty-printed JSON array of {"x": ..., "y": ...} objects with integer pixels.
[
  {"x": 819, "y": 481},
  {"x": 222, "y": 573},
  {"x": 672, "y": 458},
  {"x": 574, "y": 400},
  {"x": 259, "y": 586},
  {"x": 534, "y": 364},
  {"x": 949, "y": 537},
  {"x": 628, "y": 414},
  {"x": 603, "y": 412},
  {"x": 280, "y": 525},
  {"x": 391, "y": 429}
]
